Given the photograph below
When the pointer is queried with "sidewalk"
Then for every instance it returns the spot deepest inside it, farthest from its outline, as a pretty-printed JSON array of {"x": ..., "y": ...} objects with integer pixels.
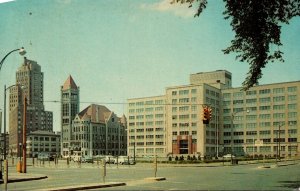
[{"x": 20, "y": 177}]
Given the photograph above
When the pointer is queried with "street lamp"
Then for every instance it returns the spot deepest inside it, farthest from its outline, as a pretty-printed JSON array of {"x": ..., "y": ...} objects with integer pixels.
[
  {"x": 231, "y": 127},
  {"x": 21, "y": 52},
  {"x": 278, "y": 142}
]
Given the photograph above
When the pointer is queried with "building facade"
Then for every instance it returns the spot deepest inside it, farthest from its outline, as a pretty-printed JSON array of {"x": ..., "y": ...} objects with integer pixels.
[
  {"x": 147, "y": 126},
  {"x": 29, "y": 85},
  {"x": 265, "y": 119},
  {"x": 69, "y": 109},
  {"x": 43, "y": 142},
  {"x": 261, "y": 121},
  {"x": 98, "y": 131}
]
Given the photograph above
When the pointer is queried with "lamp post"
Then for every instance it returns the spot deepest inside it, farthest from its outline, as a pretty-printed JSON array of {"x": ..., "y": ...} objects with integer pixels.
[
  {"x": 21, "y": 52},
  {"x": 24, "y": 135},
  {"x": 231, "y": 133},
  {"x": 278, "y": 141}
]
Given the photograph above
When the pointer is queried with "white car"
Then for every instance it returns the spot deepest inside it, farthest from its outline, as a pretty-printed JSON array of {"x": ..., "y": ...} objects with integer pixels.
[
  {"x": 124, "y": 160},
  {"x": 110, "y": 159},
  {"x": 228, "y": 156}
]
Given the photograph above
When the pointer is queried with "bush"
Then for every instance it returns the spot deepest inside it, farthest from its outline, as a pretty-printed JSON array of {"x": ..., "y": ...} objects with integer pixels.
[
  {"x": 170, "y": 158},
  {"x": 188, "y": 157},
  {"x": 176, "y": 158},
  {"x": 182, "y": 158}
]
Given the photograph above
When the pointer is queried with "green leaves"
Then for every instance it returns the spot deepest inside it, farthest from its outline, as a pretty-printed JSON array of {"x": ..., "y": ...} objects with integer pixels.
[{"x": 257, "y": 26}]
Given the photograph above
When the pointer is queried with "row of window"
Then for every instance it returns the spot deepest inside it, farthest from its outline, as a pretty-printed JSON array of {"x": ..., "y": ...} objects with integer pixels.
[
  {"x": 261, "y": 124},
  {"x": 265, "y": 132},
  {"x": 151, "y": 102},
  {"x": 148, "y": 109},
  {"x": 261, "y": 100},
  {"x": 261, "y": 92},
  {"x": 262, "y": 116},
  {"x": 275, "y": 140}
]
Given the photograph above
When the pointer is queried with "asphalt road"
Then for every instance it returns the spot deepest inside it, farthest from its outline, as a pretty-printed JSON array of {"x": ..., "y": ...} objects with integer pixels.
[{"x": 239, "y": 177}]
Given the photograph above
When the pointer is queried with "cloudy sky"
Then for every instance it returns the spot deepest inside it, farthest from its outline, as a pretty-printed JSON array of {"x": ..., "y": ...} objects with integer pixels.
[{"x": 121, "y": 49}]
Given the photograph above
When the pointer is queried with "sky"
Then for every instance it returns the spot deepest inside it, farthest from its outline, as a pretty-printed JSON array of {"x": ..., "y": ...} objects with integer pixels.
[{"x": 122, "y": 49}]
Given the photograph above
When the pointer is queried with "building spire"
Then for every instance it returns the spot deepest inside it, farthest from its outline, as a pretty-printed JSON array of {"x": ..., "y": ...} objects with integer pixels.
[{"x": 69, "y": 84}]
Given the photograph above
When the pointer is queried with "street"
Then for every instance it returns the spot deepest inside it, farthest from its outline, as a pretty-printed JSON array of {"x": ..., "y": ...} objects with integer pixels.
[{"x": 178, "y": 177}]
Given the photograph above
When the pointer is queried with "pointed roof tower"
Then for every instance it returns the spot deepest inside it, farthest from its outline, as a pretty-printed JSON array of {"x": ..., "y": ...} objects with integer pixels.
[{"x": 69, "y": 84}]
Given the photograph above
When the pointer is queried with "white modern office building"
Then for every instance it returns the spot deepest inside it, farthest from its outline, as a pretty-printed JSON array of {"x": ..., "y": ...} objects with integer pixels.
[{"x": 260, "y": 121}]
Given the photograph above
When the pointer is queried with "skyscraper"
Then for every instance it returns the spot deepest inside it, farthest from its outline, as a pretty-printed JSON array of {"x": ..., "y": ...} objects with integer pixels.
[
  {"x": 29, "y": 85},
  {"x": 69, "y": 109}
]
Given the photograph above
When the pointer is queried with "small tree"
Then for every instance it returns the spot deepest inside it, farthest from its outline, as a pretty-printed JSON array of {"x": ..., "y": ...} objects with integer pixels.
[
  {"x": 170, "y": 158},
  {"x": 182, "y": 158},
  {"x": 176, "y": 158},
  {"x": 188, "y": 157},
  {"x": 194, "y": 157}
]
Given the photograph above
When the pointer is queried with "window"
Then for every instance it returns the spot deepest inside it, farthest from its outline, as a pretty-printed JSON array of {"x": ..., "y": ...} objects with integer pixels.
[
  {"x": 278, "y": 107},
  {"x": 265, "y": 132},
  {"x": 184, "y": 100},
  {"x": 278, "y": 90},
  {"x": 251, "y": 133},
  {"x": 226, "y": 103},
  {"x": 238, "y": 94},
  {"x": 292, "y": 98},
  {"x": 265, "y": 100},
  {"x": 150, "y": 109},
  {"x": 292, "y": 89},
  {"x": 174, "y": 93},
  {"x": 226, "y": 95},
  {"x": 251, "y": 125},
  {"x": 264, "y": 116},
  {"x": 253, "y": 92},
  {"x": 265, "y": 91},
  {"x": 238, "y": 101},
  {"x": 251, "y": 101},
  {"x": 278, "y": 115},
  {"x": 292, "y": 106},
  {"x": 183, "y": 92},
  {"x": 251, "y": 117},
  {"x": 184, "y": 108},
  {"x": 292, "y": 114},
  {"x": 265, "y": 124},
  {"x": 263, "y": 108},
  {"x": 278, "y": 98}
]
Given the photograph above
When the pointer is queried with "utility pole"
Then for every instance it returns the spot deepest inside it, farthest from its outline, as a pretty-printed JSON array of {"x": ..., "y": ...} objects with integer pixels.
[{"x": 24, "y": 136}]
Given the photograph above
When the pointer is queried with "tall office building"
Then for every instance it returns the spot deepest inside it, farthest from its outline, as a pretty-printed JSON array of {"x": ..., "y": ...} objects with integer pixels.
[
  {"x": 261, "y": 121},
  {"x": 29, "y": 85},
  {"x": 69, "y": 109}
]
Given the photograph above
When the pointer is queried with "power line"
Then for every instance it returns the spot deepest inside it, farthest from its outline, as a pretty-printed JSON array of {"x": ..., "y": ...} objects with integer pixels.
[{"x": 122, "y": 103}]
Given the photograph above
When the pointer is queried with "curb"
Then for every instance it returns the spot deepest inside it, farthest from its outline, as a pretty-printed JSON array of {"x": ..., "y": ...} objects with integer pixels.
[
  {"x": 94, "y": 186},
  {"x": 155, "y": 178},
  {"x": 12, "y": 180}
]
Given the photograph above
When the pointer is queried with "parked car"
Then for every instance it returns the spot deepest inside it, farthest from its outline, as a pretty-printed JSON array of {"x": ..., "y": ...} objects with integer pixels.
[
  {"x": 87, "y": 159},
  {"x": 45, "y": 156},
  {"x": 124, "y": 160},
  {"x": 109, "y": 159},
  {"x": 227, "y": 156}
]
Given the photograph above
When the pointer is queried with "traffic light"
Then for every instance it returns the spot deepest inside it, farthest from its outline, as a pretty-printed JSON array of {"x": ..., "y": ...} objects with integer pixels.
[{"x": 207, "y": 113}]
